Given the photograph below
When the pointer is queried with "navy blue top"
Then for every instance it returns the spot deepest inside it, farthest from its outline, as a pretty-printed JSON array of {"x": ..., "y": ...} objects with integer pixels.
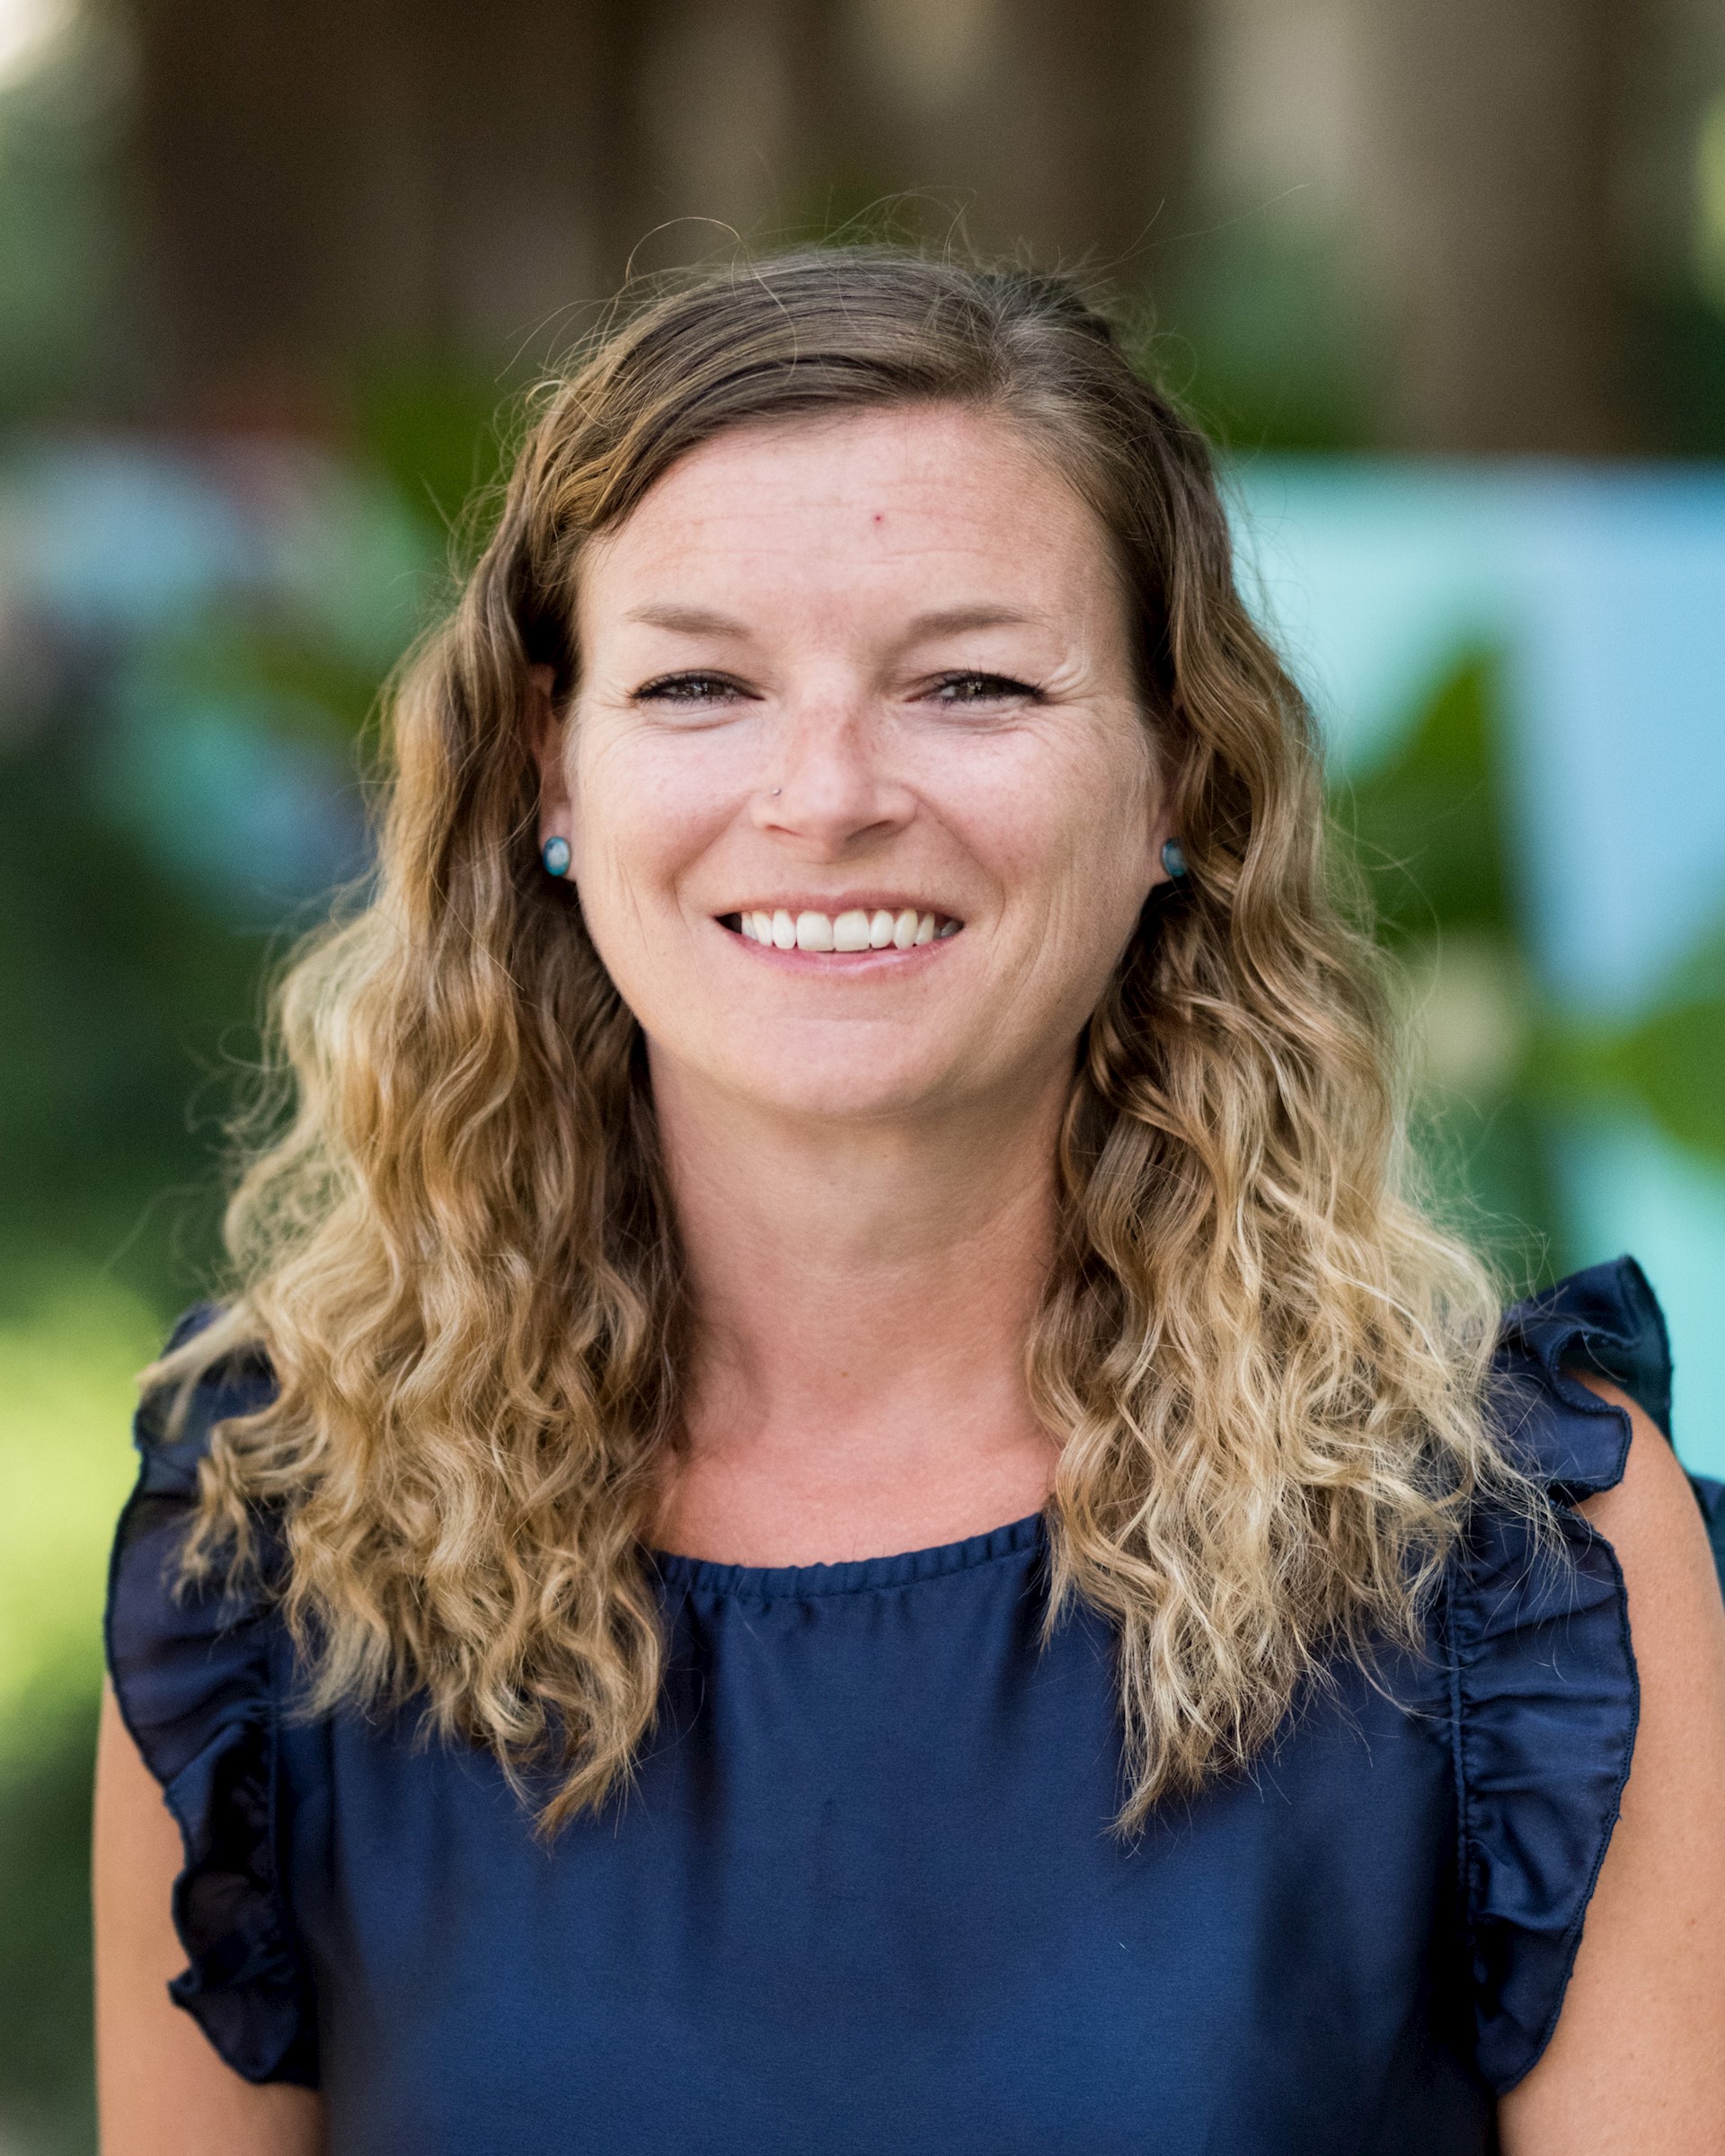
[{"x": 866, "y": 1897}]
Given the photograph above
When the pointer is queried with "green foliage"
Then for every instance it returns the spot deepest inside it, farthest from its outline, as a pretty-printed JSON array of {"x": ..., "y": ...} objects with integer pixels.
[
  {"x": 437, "y": 432},
  {"x": 1685, "y": 374},
  {"x": 1674, "y": 1062},
  {"x": 47, "y": 2097},
  {"x": 58, "y": 262},
  {"x": 67, "y": 1360},
  {"x": 1499, "y": 1068},
  {"x": 1262, "y": 331},
  {"x": 1429, "y": 825},
  {"x": 121, "y": 994}
]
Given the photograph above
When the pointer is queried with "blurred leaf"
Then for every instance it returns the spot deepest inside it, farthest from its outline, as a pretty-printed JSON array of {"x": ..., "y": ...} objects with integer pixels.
[
  {"x": 1262, "y": 331},
  {"x": 1686, "y": 372},
  {"x": 437, "y": 431},
  {"x": 67, "y": 1362},
  {"x": 47, "y": 2096},
  {"x": 1428, "y": 826},
  {"x": 1675, "y": 1061},
  {"x": 1670, "y": 1063},
  {"x": 118, "y": 993},
  {"x": 311, "y": 688}
]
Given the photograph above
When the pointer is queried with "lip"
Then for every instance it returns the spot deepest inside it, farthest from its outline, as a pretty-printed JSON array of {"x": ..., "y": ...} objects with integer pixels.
[
  {"x": 834, "y": 903},
  {"x": 826, "y": 964}
]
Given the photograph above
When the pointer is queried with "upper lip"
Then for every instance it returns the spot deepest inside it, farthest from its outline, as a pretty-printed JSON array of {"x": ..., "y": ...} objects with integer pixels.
[{"x": 845, "y": 902}]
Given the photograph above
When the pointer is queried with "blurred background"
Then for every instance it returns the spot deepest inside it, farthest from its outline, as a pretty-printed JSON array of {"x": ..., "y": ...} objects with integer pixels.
[{"x": 1446, "y": 279}]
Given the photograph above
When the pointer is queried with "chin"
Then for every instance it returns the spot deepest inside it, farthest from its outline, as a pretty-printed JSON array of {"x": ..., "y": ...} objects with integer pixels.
[{"x": 847, "y": 1091}]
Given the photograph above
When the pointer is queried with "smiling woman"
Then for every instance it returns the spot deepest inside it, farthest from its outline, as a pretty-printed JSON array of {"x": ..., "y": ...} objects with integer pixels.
[{"x": 838, "y": 1504}]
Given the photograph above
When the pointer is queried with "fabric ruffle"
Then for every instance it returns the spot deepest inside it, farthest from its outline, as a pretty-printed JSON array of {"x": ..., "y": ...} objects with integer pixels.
[
  {"x": 196, "y": 1678},
  {"x": 1544, "y": 1692}
]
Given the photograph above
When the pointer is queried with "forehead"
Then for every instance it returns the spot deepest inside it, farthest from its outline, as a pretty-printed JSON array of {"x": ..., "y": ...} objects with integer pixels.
[{"x": 863, "y": 500}]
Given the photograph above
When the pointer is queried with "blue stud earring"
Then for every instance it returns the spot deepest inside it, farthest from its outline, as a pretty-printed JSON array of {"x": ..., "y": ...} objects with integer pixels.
[
  {"x": 555, "y": 853},
  {"x": 1172, "y": 859}
]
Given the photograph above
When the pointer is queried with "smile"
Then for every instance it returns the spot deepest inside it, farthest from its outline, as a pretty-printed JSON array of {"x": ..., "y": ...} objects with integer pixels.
[{"x": 859, "y": 929}]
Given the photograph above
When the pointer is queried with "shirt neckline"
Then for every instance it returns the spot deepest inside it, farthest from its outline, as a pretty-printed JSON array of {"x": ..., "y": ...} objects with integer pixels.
[{"x": 856, "y": 1576}]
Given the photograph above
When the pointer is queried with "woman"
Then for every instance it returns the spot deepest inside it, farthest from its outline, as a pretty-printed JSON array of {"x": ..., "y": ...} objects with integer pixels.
[{"x": 851, "y": 1055}]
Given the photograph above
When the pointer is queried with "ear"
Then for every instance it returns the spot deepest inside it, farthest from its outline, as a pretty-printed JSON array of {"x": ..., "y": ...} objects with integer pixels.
[
  {"x": 549, "y": 737},
  {"x": 1161, "y": 817},
  {"x": 1162, "y": 830}
]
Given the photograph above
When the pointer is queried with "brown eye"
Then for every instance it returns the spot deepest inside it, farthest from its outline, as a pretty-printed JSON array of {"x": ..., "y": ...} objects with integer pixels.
[
  {"x": 688, "y": 689},
  {"x": 959, "y": 690}
]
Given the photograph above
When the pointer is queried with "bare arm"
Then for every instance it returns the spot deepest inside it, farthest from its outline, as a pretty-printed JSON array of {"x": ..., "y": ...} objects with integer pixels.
[
  {"x": 163, "y": 2091},
  {"x": 1637, "y": 2064}
]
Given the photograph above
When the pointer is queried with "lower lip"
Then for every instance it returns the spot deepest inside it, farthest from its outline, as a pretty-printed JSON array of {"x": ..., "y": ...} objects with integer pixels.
[{"x": 837, "y": 961}]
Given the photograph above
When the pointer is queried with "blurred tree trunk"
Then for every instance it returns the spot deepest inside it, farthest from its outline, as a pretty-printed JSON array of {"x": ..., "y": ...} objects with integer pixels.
[
  {"x": 1066, "y": 131},
  {"x": 323, "y": 180},
  {"x": 1091, "y": 130},
  {"x": 320, "y": 183},
  {"x": 1494, "y": 129}
]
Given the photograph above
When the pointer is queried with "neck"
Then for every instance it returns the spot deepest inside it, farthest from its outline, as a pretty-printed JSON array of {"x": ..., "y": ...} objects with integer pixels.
[{"x": 861, "y": 1296}]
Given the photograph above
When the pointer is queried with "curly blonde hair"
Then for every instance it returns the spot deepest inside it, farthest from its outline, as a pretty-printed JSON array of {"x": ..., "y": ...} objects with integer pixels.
[{"x": 1263, "y": 1364}]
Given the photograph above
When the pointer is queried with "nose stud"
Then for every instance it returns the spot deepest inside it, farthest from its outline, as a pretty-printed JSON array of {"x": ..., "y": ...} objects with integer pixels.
[{"x": 776, "y": 791}]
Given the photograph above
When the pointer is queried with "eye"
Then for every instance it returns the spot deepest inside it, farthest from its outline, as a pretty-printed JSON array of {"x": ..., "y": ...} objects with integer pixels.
[
  {"x": 964, "y": 692},
  {"x": 691, "y": 691}
]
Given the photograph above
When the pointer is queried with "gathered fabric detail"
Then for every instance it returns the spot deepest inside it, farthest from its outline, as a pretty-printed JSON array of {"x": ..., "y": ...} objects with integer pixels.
[
  {"x": 198, "y": 1676},
  {"x": 1544, "y": 1693}
]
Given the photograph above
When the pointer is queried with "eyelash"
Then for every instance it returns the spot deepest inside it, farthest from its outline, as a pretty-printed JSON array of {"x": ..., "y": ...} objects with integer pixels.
[
  {"x": 710, "y": 688},
  {"x": 997, "y": 687},
  {"x": 676, "y": 688}
]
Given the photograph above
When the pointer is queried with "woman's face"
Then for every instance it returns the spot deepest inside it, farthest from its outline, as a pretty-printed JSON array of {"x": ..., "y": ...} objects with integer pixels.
[{"x": 861, "y": 801}]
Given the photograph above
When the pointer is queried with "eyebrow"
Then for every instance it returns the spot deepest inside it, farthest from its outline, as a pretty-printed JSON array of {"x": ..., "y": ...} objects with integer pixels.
[
  {"x": 686, "y": 620},
  {"x": 701, "y": 621}
]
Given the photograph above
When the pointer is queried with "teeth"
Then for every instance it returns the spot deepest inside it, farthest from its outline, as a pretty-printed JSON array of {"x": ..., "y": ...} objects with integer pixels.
[{"x": 856, "y": 930}]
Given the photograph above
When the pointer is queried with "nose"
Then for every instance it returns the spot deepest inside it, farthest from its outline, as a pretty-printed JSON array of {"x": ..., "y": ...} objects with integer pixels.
[{"x": 831, "y": 788}]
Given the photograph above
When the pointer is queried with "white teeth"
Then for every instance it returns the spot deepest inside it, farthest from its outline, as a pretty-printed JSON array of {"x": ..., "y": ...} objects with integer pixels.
[{"x": 855, "y": 930}]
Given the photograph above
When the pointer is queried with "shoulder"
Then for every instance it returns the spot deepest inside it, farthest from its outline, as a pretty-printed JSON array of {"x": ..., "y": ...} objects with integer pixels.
[
  {"x": 187, "y": 1395},
  {"x": 1603, "y": 1324},
  {"x": 1543, "y": 1632},
  {"x": 1638, "y": 2046},
  {"x": 197, "y": 1672}
]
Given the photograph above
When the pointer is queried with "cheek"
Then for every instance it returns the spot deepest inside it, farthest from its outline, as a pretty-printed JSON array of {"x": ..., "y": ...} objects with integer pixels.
[
  {"x": 1067, "y": 824},
  {"x": 640, "y": 816}
]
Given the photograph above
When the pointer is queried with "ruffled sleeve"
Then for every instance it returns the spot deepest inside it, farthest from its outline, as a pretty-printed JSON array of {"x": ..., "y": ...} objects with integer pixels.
[
  {"x": 196, "y": 1678},
  {"x": 1545, "y": 1697}
]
